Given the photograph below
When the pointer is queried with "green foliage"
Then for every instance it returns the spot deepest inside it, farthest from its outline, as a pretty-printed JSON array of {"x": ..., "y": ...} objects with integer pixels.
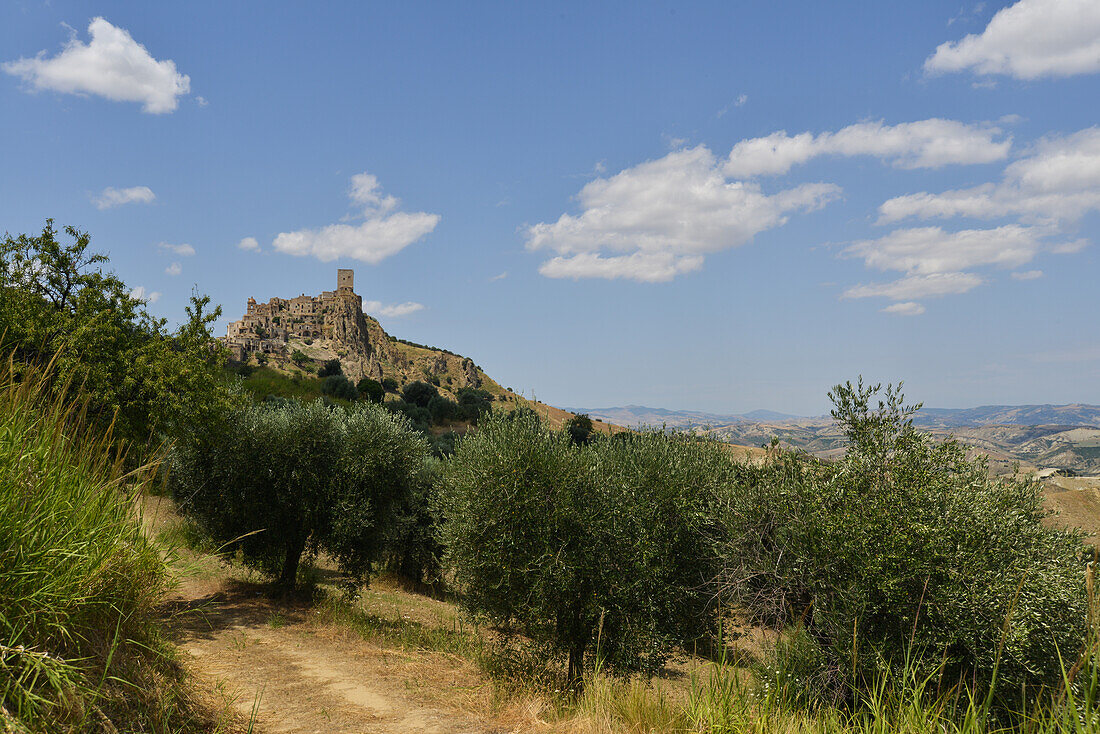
[
  {"x": 475, "y": 403},
  {"x": 419, "y": 393},
  {"x": 329, "y": 368},
  {"x": 574, "y": 543},
  {"x": 79, "y": 581},
  {"x": 389, "y": 384},
  {"x": 338, "y": 386},
  {"x": 905, "y": 548},
  {"x": 280, "y": 480},
  {"x": 371, "y": 390},
  {"x": 412, "y": 549},
  {"x": 420, "y": 417},
  {"x": 443, "y": 409},
  {"x": 580, "y": 429},
  {"x": 56, "y": 303},
  {"x": 299, "y": 358}
]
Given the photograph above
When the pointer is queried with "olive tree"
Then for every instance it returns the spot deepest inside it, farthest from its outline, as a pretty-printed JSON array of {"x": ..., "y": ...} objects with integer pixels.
[
  {"x": 905, "y": 550},
  {"x": 571, "y": 544},
  {"x": 276, "y": 480}
]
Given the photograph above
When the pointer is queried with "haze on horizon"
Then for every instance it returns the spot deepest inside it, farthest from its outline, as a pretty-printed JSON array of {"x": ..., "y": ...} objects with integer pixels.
[{"x": 697, "y": 207}]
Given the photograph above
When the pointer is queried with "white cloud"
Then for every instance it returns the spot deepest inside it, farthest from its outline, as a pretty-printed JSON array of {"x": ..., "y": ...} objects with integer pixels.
[
  {"x": 202, "y": 101},
  {"x": 500, "y": 276},
  {"x": 917, "y": 286},
  {"x": 1028, "y": 275},
  {"x": 1029, "y": 40},
  {"x": 112, "y": 65},
  {"x": 658, "y": 219},
  {"x": 140, "y": 294},
  {"x": 1059, "y": 179},
  {"x": 249, "y": 244},
  {"x": 936, "y": 263},
  {"x": 394, "y": 311},
  {"x": 931, "y": 143},
  {"x": 383, "y": 232},
  {"x": 111, "y": 197},
  {"x": 930, "y": 250},
  {"x": 183, "y": 250},
  {"x": 905, "y": 308},
  {"x": 174, "y": 269}
]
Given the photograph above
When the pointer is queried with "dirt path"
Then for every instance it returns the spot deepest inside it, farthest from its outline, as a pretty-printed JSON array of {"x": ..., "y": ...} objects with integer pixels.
[{"x": 311, "y": 679}]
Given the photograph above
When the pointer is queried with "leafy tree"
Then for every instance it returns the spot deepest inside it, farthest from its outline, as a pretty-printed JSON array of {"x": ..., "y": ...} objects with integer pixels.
[
  {"x": 299, "y": 357},
  {"x": 372, "y": 390},
  {"x": 338, "y": 386},
  {"x": 905, "y": 550},
  {"x": 284, "y": 479},
  {"x": 580, "y": 429},
  {"x": 475, "y": 403},
  {"x": 412, "y": 549},
  {"x": 420, "y": 417},
  {"x": 566, "y": 541},
  {"x": 389, "y": 384},
  {"x": 443, "y": 409},
  {"x": 419, "y": 393},
  {"x": 329, "y": 368},
  {"x": 57, "y": 303}
]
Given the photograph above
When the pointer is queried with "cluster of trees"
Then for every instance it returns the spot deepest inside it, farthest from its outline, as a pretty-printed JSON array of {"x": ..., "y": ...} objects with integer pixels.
[
  {"x": 58, "y": 306},
  {"x": 625, "y": 547}
]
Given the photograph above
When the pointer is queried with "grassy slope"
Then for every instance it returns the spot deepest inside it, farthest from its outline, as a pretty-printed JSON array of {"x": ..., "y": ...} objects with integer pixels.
[{"x": 80, "y": 641}]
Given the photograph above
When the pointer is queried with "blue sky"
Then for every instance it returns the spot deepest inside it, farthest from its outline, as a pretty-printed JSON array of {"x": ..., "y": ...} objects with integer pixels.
[{"x": 711, "y": 206}]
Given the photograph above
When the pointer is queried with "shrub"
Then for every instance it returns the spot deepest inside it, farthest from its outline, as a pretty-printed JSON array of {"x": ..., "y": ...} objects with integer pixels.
[
  {"x": 475, "y": 403},
  {"x": 389, "y": 384},
  {"x": 329, "y": 368},
  {"x": 572, "y": 542},
  {"x": 906, "y": 548},
  {"x": 419, "y": 416},
  {"x": 579, "y": 429},
  {"x": 412, "y": 549},
  {"x": 299, "y": 477},
  {"x": 419, "y": 393},
  {"x": 372, "y": 390},
  {"x": 338, "y": 386},
  {"x": 299, "y": 357},
  {"x": 443, "y": 409}
]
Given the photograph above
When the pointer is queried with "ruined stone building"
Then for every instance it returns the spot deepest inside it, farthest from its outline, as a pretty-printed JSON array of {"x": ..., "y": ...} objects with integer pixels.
[{"x": 266, "y": 327}]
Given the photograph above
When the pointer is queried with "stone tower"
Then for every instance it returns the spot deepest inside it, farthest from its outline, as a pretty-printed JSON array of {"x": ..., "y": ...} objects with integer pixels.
[{"x": 345, "y": 279}]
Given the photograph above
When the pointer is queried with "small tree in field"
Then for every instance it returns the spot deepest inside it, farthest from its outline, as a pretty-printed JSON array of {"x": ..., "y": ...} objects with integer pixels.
[
  {"x": 569, "y": 543},
  {"x": 371, "y": 390},
  {"x": 279, "y": 480}
]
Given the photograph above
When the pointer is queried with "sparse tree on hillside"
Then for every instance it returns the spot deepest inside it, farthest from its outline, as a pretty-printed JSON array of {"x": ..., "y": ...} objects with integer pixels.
[
  {"x": 419, "y": 393},
  {"x": 372, "y": 390},
  {"x": 329, "y": 368},
  {"x": 580, "y": 429},
  {"x": 338, "y": 386}
]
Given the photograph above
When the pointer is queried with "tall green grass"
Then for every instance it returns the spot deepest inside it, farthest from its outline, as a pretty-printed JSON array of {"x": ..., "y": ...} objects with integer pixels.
[{"x": 79, "y": 582}]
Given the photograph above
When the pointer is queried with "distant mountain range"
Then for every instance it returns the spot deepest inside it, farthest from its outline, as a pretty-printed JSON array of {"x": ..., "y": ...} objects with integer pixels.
[
  {"x": 1075, "y": 414},
  {"x": 1063, "y": 436}
]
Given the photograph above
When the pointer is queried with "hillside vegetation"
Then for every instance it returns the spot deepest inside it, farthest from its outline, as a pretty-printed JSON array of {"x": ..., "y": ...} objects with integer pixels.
[{"x": 896, "y": 587}]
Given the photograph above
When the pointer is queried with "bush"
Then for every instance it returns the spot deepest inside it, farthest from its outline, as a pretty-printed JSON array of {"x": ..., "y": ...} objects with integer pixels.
[
  {"x": 906, "y": 548},
  {"x": 579, "y": 429},
  {"x": 420, "y": 417},
  {"x": 299, "y": 477},
  {"x": 338, "y": 386},
  {"x": 475, "y": 403},
  {"x": 299, "y": 357},
  {"x": 371, "y": 390},
  {"x": 389, "y": 384},
  {"x": 443, "y": 409},
  {"x": 569, "y": 542},
  {"x": 419, "y": 393},
  {"x": 329, "y": 368},
  {"x": 412, "y": 548}
]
